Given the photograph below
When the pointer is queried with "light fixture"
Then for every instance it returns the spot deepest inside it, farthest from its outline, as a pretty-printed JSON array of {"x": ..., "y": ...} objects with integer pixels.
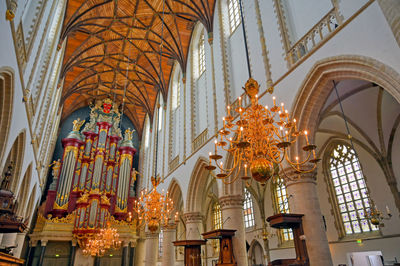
[
  {"x": 106, "y": 239},
  {"x": 153, "y": 208},
  {"x": 259, "y": 138}
]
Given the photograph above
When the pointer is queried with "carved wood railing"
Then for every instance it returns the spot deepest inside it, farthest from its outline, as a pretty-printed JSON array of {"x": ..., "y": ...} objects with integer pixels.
[
  {"x": 314, "y": 36},
  {"x": 173, "y": 164},
  {"x": 200, "y": 140}
]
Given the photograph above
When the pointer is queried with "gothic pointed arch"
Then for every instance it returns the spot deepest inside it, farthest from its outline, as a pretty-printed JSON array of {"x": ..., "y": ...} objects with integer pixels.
[
  {"x": 197, "y": 185},
  {"x": 175, "y": 193},
  {"x": 317, "y": 85},
  {"x": 16, "y": 158},
  {"x": 6, "y": 104},
  {"x": 31, "y": 206}
]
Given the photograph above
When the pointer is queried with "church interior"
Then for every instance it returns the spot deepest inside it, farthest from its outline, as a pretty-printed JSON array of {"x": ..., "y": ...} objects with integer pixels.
[{"x": 200, "y": 132}]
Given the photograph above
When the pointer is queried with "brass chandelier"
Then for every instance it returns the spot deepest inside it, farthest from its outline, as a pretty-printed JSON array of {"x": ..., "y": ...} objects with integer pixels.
[
  {"x": 263, "y": 137},
  {"x": 260, "y": 138},
  {"x": 98, "y": 244},
  {"x": 153, "y": 208}
]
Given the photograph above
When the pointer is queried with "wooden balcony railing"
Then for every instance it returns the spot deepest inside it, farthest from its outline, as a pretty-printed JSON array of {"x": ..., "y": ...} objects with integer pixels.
[{"x": 173, "y": 164}]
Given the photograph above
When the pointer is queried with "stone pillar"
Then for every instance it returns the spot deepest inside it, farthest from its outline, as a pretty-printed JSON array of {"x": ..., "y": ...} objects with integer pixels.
[
  {"x": 96, "y": 261},
  {"x": 19, "y": 242},
  {"x": 43, "y": 245},
  {"x": 168, "y": 249},
  {"x": 305, "y": 201},
  {"x": 72, "y": 253},
  {"x": 140, "y": 252},
  {"x": 125, "y": 253},
  {"x": 31, "y": 252},
  {"x": 232, "y": 215},
  {"x": 131, "y": 255},
  {"x": 9, "y": 240},
  {"x": 194, "y": 225},
  {"x": 151, "y": 249}
]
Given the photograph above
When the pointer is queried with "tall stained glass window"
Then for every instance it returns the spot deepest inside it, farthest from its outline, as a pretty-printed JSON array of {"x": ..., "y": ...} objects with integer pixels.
[
  {"x": 234, "y": 14},
  {"x": 350, "y": 190},
  {"x": 248, "y": 210},
  {"x": 217, "y": 216}
]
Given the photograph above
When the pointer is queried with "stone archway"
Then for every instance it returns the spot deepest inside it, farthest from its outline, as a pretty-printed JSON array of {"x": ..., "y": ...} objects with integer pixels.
[
  {"x": 316, "y": 87},
  {"x": 198, "y": 180},
  {"x": 6, "y": 104},
  {"x": 256, "y": 254},
  {"x": 23, "y": 192}
]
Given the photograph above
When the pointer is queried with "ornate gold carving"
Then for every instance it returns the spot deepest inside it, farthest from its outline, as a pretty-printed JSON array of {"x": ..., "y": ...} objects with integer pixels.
[
  {"x": 10, "y": 15},
  {"x": 65, "y": 220},
  {"x": 84, "y": 198},
  {"x": 77, "y": 124},
  {"x": 128, "y": 134},
  {"x": 58, "y": 207}
]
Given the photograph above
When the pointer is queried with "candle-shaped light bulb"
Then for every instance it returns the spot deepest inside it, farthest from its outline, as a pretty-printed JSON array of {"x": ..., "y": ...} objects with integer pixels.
[
  {"x": 274, "y": 100},
  {"x": 229, "y": 110},
  {"x": 305, "y": 134},
  {"x": 297, "y": 159},
  {"x": 295, "y": 125},
  {"x": 245, "y": 169},
  {"x": 283, "y": 107},
  {"x": 240, "y": 101},
  {"x": 266, "y": 107},
  {"x": 209, "y": 158}
]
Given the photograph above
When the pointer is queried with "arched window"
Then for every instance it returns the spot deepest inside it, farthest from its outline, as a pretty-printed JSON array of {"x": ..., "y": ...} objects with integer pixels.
[
  {"x": 248, "y": 210},
  {"x": 201, "y": 55},
  {"x": 217, "y": 216},
  {"x": 282, "y": 206},
  {"x": 176, "y": 92},
  {"x": 146, "y": 133},
  {"x": 234, "y": 14},
  {"x": 348, "y": 183}
]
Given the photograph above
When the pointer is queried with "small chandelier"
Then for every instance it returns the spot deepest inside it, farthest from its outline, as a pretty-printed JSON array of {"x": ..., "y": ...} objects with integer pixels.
[
  {"x": 263, "y": 137},
  {"x": 376, "y": 216},
  {"x": 98, "y": 244},
  {"x": 153, "y": 208}
]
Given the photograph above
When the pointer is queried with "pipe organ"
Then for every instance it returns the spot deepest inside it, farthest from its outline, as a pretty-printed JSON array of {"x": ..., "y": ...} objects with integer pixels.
[{"x": 95, "y": 177}]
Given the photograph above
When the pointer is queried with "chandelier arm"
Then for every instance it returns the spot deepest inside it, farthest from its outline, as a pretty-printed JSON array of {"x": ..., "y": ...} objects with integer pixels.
[
  {"x": 301, "y": 162},
  {"x": 230, "y": 182}
]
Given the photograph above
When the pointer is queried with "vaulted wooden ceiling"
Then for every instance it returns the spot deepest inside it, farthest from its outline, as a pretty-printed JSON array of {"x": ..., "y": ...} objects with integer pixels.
[{"x": 115, "y": 44}]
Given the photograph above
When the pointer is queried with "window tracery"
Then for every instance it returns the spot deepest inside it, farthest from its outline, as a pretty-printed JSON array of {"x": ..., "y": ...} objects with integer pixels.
[
  {"x": 217, "y": 216},
  {"x": 234, "y": 14},
  {"x": 350, "y": 189},
  {"x": 248, "y": 210},
  {"x": 282, "y": 206}
]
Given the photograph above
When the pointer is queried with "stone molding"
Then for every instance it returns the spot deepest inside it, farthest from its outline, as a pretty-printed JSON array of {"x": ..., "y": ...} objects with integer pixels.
[
  {"x": 231, "y": 201},
  {"x": 150, "y": 235},
  {"x": 193, "y": 217}
]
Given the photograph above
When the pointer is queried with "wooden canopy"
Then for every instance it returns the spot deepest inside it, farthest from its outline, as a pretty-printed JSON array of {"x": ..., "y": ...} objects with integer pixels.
[{"x": 113, "y": 47}]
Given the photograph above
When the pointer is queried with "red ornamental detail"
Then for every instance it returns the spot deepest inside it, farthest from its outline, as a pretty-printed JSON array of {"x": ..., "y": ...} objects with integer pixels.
[{"x": 107, "y": 108}]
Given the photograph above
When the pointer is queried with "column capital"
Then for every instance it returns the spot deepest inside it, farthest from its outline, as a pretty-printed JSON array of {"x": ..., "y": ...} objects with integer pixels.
[
  {"x": 169, "y": 227},
  {"x": 33, "y": 243},
  {"x": 193, "y": 217},
  {"x": 74, "y": 242},
  {"x": 292, "y": 176},
  {"x": 231, "y": 201},
  {"x": 150, "y": 235},
  {"x": 44, "y": 242}
]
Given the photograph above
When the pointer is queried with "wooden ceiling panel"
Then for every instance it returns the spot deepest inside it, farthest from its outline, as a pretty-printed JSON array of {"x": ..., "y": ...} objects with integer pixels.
[{"x": 113, "y": 49}]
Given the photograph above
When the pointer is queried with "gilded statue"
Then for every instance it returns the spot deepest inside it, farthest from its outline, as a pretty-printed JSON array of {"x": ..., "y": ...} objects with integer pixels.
[
  {"x": 77, "y": 124},
  {"x": 56, "y": 168},
  {"x": 128, "y": 134},
  {"x": 134, "y": 174}
]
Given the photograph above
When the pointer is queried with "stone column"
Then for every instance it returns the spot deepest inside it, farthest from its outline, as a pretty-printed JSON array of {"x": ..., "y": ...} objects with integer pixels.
[
  {"x": 125, "y": 254},
  {"x": 131, "y": 255},
  {"x": 168, "y": 249},
  {"x": 31, "y": 252},
  {"x": 194, "y": 225},
  {"x": 305, "y": 201},
  {"x": 43, "y": 245},
  {"x": 232, "y": 215},
  {"x": 72, "y": 253},
  {"x": 9, "y": 240},
  {"x": 140, "y": 252},
  {"x": 19, "y": 242},
  {"x": 151, "y": 249}
]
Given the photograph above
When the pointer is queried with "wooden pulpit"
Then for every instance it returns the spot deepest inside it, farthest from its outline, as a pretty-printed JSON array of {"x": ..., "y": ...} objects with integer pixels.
[
  {"x": 192, "y": 255},
  {"x": 226, "y": 257},
  {"x": 294, "y": 222}
]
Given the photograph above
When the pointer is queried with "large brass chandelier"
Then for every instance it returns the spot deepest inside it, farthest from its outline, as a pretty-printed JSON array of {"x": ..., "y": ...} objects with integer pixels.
[
  {"x": 259, "y": 141},
  {"x": 153, "y": 208},
  {"x": 259, "y": 138}
]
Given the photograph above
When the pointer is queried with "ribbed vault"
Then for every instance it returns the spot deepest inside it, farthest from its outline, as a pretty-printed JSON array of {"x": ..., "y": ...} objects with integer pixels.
[{"x": 115, "y": 44}]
